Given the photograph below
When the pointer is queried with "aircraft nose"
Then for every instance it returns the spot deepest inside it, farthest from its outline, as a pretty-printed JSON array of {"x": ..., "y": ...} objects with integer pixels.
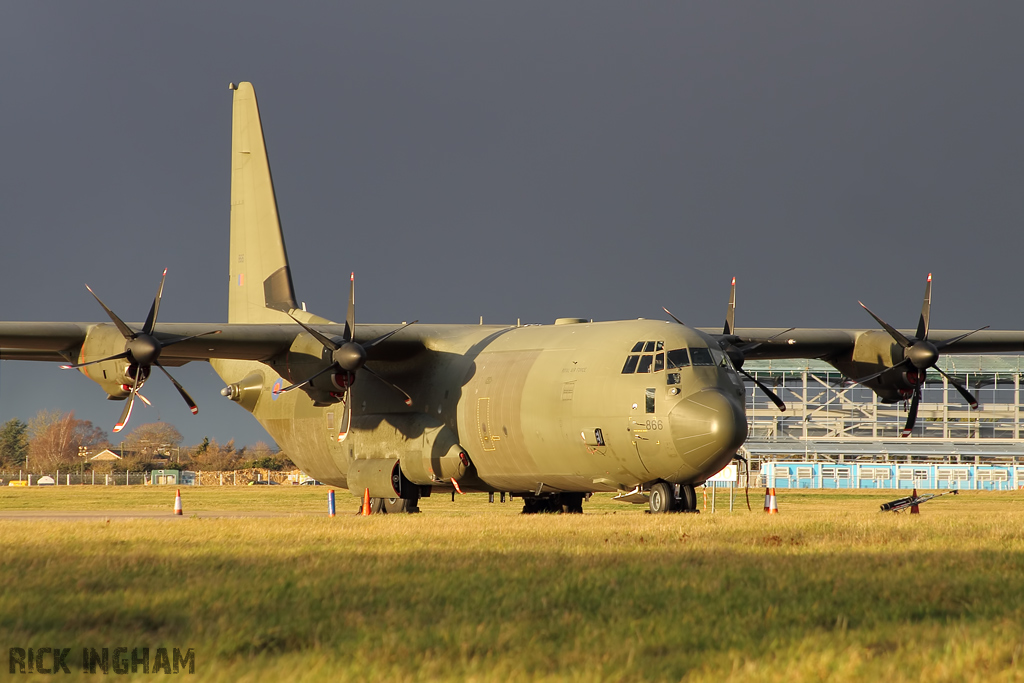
[{"x": 708, "y": 427}]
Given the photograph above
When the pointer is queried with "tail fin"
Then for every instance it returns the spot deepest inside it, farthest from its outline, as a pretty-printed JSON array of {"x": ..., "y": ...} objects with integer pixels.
[{"x": 261, "y": 282}]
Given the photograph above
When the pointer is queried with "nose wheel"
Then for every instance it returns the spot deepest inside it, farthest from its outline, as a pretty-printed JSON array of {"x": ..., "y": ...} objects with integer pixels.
[{"x": 665, "y": 497}]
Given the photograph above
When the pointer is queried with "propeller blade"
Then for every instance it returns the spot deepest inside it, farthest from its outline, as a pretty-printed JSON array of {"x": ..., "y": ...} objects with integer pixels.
[
  {"x": 673, "y": 317},
  {"x": 123, "y": 354},
  {"x": 926, "y": 310},
  {"x": 144, "y": 399},
  {"x": 968, "y": 396},
  {"x": 125, "y": 331},
  {"x": 154, "y": 310},
  {"x": 767, "y": 392},
  {"x": 350, "y": 317},
  {"x": 184, "y": 339},
  {"x": 127, "y": 412},
  {"x": 949, "y": 342},
  {"x": 730, "y": 312},
  {"x": 865, "y": 380},
  {"x": 912, "y": 413},
  {"x": 181, "y": 390},
  {"x": 326, "y": 342},
  {"x": 346, "y": 416},
  {"x": 369, "y": 345},
  {"x": 408, "y": 399},
  {"x": 893, "y": 332},
  {"x": 305, "y": 381}
]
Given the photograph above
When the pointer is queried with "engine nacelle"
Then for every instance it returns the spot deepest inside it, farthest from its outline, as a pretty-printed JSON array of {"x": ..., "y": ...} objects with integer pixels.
[
  {"x": 875, "y": 351},
  {"x": 114, "y": 376}
]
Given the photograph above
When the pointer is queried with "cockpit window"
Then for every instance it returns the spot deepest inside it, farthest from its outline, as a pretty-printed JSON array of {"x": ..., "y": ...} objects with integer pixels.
[
  {"x": 678, "y": 358},
  {"x": 702, "y": 356},
  {"x": 720, "y": 358},
  {"x": 647, "y": 363}
]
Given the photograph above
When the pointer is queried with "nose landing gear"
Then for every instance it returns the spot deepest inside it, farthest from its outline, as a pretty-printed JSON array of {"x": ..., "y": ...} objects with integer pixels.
[{"x": 667, "y": 497}]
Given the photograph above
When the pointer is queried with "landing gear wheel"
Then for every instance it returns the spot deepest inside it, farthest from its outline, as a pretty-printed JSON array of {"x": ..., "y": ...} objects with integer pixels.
[
  {"x": 376, "y": 505},
  {"x": 662, "y": 498},
  {"x": 572, "y": 503},
  {"x": 688, "y": 498},
  {"x": 396, "y": 505}
]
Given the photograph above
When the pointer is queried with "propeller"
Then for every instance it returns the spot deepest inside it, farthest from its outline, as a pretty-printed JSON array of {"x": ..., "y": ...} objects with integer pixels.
[
  {"x": 142, "y": 351},
  {"x": 921, "y": 355},
  {"x": 736, "y": 347},
  {"x": 348, "y": 357}
]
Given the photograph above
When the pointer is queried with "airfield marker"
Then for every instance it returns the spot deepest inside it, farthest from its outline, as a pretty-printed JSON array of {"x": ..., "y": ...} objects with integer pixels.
[
  {"x": 366, "y": 502},
  {"x": 914, "y": 509},
  {"x": 773, "y": 504},
  {"x": 330, "y": 503},
  {"x": 177, "y": 502},
  {"x": 767, "y": 499}
]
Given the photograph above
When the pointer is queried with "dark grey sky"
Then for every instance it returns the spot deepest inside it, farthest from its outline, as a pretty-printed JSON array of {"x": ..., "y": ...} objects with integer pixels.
[{"x": 527, "y": 160}]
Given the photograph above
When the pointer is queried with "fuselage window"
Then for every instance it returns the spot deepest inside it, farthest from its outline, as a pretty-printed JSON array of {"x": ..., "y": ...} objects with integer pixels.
[
  {"x": 678, "y": 358},
  {"x": 638, "y": 347},
  {"x": 659, "y": 362},
  {"x": 702, "y": 356},
  {"x": 649, "y": 347},
  {"x": 630, "y": 367},
  {"x": 645, "y": 364},
  {"x": 649, "y": 403},
  {"x": 673, "y": 378}
]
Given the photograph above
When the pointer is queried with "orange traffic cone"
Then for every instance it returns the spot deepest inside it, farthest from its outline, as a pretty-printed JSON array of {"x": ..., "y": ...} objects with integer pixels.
[
  {"x": 366, "y": 502},
  {"x": 767, "y": 499},
  {"x": 177, "y": 502},
  {"x": 914, "y": 509},
  {"x": 773, "y": 504}
]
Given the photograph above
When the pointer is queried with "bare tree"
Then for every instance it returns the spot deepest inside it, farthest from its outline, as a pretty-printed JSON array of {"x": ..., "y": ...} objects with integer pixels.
[
  {"x": 152, "y": 438},
  {"x": 55, "y": 438}
]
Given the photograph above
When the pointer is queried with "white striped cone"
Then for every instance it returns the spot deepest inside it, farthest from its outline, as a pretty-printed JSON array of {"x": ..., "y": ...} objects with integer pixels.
[
  {"x": 914, "y": 509},
  {"x": 767, "y": 499},
  {"x": 177, "y": 502},
  {"x": 773, "y": 504}
]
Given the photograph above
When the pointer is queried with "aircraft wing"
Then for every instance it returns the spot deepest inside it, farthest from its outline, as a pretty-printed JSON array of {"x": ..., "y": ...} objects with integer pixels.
[
  {"x": 825, "y": 344},
  {"x": 62, "y": 341}
]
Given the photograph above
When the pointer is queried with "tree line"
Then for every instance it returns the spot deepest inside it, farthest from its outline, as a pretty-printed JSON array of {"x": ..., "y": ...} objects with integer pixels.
[{"x": 53, "y": 441}]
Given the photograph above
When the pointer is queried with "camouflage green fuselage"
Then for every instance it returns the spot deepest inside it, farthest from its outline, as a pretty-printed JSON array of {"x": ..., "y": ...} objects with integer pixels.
[{"x": 533, "y": 407}]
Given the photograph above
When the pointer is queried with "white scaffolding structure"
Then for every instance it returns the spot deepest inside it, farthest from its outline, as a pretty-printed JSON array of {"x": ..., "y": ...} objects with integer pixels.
[{"x": 831, "y": 419}]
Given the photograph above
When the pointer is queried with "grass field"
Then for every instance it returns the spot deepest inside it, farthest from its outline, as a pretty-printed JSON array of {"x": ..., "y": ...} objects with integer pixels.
[{"x": 828, "y": 589}]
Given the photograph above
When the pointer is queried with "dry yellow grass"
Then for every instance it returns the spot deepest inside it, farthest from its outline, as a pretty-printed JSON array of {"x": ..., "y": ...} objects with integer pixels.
[{"x": 829, "y": 589}]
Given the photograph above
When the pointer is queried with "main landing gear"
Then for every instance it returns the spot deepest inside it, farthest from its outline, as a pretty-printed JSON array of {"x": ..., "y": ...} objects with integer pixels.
[
  {"x": 394, "y": 505},
  {"x": 556, "y": 502},
  {"x": 667, "y": 497}
]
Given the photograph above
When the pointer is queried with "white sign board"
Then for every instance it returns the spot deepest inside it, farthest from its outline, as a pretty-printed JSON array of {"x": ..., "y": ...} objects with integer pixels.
[{"x": 728, "y": 473}]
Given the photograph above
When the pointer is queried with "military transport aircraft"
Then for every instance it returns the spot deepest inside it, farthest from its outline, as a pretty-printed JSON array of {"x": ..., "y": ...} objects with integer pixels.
[{"x": 548, "y": 413}]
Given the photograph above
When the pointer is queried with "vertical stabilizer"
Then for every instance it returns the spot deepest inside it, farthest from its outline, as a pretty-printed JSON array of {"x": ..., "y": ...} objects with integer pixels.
[{"x": 261, "y": 282}]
